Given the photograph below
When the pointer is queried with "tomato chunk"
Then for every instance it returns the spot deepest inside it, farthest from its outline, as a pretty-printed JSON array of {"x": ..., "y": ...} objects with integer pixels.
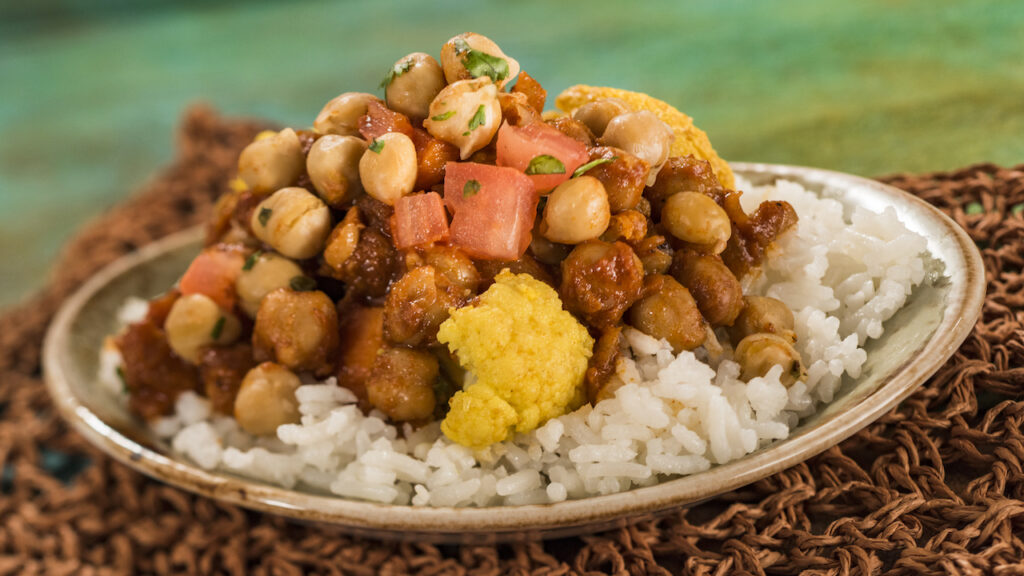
[
  {"x": 419, "y": 219},
  {"x": 213, "y": 274},
  {"x": 493, "y": 209},
  {"x": 519, "y": 145}
]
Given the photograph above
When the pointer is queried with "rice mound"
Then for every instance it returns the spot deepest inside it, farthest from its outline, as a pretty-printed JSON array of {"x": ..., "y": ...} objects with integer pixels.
[{"x": 843, "y": 275}]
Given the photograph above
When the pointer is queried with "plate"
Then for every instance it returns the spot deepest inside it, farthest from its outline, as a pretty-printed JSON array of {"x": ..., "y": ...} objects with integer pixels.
[{"x": 918, "y": 340}]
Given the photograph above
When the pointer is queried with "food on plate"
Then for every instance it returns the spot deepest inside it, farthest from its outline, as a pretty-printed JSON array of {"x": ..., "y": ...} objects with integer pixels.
[{"x": 447, "y": 296}]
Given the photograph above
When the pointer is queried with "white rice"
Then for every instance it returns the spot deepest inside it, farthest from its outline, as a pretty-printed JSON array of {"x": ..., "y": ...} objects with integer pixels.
[{"x": 843, "y": 276}]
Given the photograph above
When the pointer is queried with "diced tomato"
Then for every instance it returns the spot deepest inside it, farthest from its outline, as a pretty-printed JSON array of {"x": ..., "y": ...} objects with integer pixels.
[
  {"x": 213, "y": 273},
  {"x": 493, "y": 209},
  {"x": 518, "y": 145},
  {"x": 419, "y": 219},
  {"x": 380, "y": 120}
]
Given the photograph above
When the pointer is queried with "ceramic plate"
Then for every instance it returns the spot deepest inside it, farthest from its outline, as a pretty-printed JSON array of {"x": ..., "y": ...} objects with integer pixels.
[{"x": 917, "y": 341}]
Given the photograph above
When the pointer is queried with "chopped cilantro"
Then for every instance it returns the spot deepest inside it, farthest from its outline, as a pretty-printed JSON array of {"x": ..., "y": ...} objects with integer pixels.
[
  {"x": 396, "y": 71},
  {"x": 124, "y": 380},
  {"x": 1017, "y": 209},
  {"x": 478, "y": 119},
  {"x": 461, "y": 46},
  {"x": 302, "y": 283},
  {"x": 376, "y": 146},
  {"x": 592, "y": 164},
  {"x": 264, "y": 216},
  {"x": 975, "y": 208},
  {"x": 218, "y": 328},
  {"x": 443, "y": 117},
  {"x": 479, "y": 63},
  {"x": 251, "y": 260},
  {"x": 545, "y": 164},
  {"x": 470, "y": 188}
]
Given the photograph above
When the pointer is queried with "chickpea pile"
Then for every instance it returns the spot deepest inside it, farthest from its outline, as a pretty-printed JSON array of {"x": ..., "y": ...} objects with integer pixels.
[{"x": 312, "y": 268}]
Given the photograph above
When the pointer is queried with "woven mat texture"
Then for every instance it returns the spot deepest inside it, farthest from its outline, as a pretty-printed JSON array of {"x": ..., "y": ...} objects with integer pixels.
[{"x": 934, "y": 487}]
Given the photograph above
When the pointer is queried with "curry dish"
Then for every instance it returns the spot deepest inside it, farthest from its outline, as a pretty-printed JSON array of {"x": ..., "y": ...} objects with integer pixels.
[{"x": 453, "y": 252}]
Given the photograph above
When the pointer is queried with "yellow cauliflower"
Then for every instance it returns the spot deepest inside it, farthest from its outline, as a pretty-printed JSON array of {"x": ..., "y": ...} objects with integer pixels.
[{"x": 527, "y": 357}]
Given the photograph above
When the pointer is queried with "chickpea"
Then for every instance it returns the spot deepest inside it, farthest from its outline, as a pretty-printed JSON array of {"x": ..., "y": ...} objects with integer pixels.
[
  {"x": 333, "y": 168},
  {"x": 267, "y": 273},
  {"x": 457, "y": 64},
  {"x": 457, "y": 268},
  {"x": 643, "y": 135},
  {"x": 388, "y": 168},
  {"x": 272, "y": 162},
  {"x": 718, "y": 293},
  {"x": 297, "y": 329},
  {"x": 574, "y": 129},
  {"x": 695, "y": 218},
  {"x": 655, "y": 254},
  {"x": 576, "y": 211},
  {"x": 763, "y": 314},
  {"x": 597, "y": 114},
  {"x": 417, "y": 80},
  {"x": 341, "y": 115},
  {"x": 670, "y": 313},
  {"x": 401, "y": 384},
  {"x": 342, "y": 242},
  {"x": 266, "y": 399},
  {"x": 624, "y": 177},
  {"x": 758, "y": 353},
  {"x": 416, "y": 306},
  {"x": 293, "y": 221},
  {"x": 466, "y": 114},
  {"x": 546, "y": 251},
  {"x": 600, "y": 281},
  {"x": 195, "y": 321}
]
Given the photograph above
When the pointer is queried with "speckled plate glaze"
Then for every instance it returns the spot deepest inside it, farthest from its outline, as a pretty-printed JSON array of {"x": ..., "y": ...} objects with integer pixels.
[{"x": 918, "y": 340}]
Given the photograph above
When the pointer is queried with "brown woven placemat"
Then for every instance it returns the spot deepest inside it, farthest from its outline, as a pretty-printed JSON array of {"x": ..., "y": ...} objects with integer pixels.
[{"x": 934, "y": 487}]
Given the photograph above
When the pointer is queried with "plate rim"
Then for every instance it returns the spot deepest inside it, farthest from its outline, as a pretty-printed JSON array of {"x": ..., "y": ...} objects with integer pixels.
[{"x": 544, "y": 520}]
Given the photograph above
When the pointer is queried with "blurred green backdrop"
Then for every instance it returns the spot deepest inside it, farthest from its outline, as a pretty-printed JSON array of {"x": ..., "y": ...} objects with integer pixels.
[{"x": 90, "y": 91}]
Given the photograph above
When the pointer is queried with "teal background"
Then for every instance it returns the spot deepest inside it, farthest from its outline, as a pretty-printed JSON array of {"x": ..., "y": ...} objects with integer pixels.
[{"x": 90, "y": 91}]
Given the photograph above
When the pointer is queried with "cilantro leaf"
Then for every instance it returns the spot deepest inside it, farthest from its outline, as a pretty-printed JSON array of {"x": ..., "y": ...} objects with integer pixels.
[
  {"x": 264, "y": 215},
  {"x": 545, "y": 164},
  {"x": 302, "y": 284},
  {"x": 376, "y": 146},
  {"x": 395, "y": 71},
  {"x": 592, "y": 164},
  {"x": 1017, "y": 209},
  {"x": 461, "y": 46},
  {"x": 470, "y": 189},
  {"x": 123, "y": 378},
  {"x": 444, "y": 116},
  {"x": 218, "y": 328},
  {"x": 251, "y": 260},
  {"x": 479, "y": 63},
  {"x": 479, "y": 118},
  {"x": 975, "y": 208}
]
